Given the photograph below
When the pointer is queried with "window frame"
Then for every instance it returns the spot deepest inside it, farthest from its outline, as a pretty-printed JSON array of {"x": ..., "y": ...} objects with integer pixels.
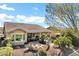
[{"x": 14, "y": 38}]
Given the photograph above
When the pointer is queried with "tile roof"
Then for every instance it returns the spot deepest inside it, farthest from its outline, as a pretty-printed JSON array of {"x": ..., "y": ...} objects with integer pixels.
[{"x": 30, "y": 28}]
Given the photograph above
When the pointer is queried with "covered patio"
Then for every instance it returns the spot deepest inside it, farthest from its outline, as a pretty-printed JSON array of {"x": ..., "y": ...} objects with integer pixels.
[
  {"x": 36, "y": 36},
  {"x": 21, "y": 33}
]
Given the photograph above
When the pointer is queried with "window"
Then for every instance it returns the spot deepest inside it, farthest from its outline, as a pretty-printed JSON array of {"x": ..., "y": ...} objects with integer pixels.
[{"x": 18, "y": 37}]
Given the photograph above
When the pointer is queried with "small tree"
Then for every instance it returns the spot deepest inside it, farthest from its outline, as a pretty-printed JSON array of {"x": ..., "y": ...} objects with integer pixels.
[
  {"x": 44, "y": 38},
  {"x": 7, "y": 50},
  {"x": 9, "y": 41},
  {"x": 63, "y": 15},
  {"x": 63, "y": 42}
]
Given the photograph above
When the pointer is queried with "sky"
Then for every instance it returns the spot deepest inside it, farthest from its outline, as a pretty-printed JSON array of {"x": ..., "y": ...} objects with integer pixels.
[{"x": 29, "y": 13}]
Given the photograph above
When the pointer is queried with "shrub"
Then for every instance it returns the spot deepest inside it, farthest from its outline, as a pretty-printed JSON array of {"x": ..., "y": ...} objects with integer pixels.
[
  {"x": 74, "y": 36},
  {"x": 75, "y": 40},
  {"x": 9, "y": 41},
  {"x": 6, "y": 51},
  {"x": 44, "y": 39},
  {"x": 63, "y": 41},
  {"x": 42, "y": 52},
  {"x": 37, "y": 38}
]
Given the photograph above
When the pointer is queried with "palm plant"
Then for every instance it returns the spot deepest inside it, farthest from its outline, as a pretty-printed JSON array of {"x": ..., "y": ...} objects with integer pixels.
[{"x": 63, "y": 42}]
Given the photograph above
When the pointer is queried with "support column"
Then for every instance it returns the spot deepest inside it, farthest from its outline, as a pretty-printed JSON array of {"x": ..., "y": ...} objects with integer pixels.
[
  {"x": 22, "y": 37},
  {"x": 14, "y": 37},
  {"x": 40, "y": 35},
  {"x": 50, "y": 35},
  {"x": 26, "y": 37}
]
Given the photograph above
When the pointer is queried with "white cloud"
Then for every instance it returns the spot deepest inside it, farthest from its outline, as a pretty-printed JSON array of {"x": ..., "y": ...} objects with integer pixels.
[
  {"x": 2, "y": 16},
  {"x": 5, "y": 7},
  {"x": 22, "y": 19},
  {"x": 10, "y": 16},
  {"x": 31, "y": 19},
  {"x": 6, "y": 18},
  {"x": 34, "y": 19},
  {"x": 35, "y": 8}
]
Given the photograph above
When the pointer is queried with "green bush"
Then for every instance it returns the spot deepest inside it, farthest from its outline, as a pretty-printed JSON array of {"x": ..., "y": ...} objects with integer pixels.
[
  {"x": 42, "y": 52},
  {"x": 63, "y": 41},
  {"x": 75, "y": 40},
  {"x": 9, "y": 41},
  {"x": 6, "y": 51},
  {"x": 44, "y": 38},
  {"x": 74, "y": 35}
]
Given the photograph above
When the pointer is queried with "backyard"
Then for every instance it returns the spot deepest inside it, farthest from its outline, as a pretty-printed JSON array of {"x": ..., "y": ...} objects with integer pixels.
[
  {"x": 40, "y": 48},
  {"x": 53, "y": 50},
  {"x": 59, "y": 38}
]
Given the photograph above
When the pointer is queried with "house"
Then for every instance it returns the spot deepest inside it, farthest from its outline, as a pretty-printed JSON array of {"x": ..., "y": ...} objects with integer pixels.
[{"x": 20, "y": 32}]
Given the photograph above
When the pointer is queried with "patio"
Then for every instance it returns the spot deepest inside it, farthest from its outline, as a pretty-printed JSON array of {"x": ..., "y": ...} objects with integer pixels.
[
  {"x": 52, "y": 51},
  {"x": 23, "y": 52}
]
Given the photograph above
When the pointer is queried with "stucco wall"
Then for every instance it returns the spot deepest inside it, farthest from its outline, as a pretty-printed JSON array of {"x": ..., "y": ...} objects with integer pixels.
[{"x": 19, "y": 31}]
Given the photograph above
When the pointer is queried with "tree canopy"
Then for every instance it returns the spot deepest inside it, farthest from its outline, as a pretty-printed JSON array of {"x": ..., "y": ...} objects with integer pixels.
[{"x": 64, "y": 15}]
